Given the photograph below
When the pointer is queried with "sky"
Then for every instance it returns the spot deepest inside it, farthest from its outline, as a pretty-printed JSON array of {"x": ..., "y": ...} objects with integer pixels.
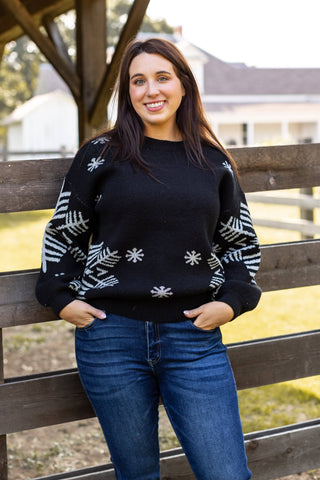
[{"x": 260, "y": 33}]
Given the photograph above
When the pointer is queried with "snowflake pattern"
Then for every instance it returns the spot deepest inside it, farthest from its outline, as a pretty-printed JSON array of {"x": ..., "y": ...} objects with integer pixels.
[
  {"x": 95, "y": 163},
  {"x": 98, "y": 198},
  {"x": 96, "y": 275},
  {"x": 135, "y": 255},
  {"x": 216, "y": 281},
  {"x": 72, "y": 224},
  {"x": 161, "y": 292},
  {"x": 213, "y": 261},
  {"x": 100, "y": 141},
  {"x": 228, "y": 166},
  {"x": 192, "y": 258}
]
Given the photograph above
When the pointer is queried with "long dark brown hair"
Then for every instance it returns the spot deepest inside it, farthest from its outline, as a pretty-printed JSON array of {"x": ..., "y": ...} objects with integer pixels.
[{"x": 128, "y": 132}]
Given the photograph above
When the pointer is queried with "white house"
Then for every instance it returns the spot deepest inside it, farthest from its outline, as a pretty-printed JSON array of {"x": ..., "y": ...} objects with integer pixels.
[
  {"x": 254, "y": 106},
  {"x": 258, "y": 106},
  {"x": 47, "y": 122}
]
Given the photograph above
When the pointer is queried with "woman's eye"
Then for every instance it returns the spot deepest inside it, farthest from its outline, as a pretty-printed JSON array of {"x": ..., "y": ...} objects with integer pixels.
[
  {"x": 139, "y": 81},
  {"x": 162, "y": 79}
]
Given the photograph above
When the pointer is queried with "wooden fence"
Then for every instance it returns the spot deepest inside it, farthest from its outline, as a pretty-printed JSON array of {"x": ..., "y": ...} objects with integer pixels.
[
  {"x": 55, "y": 397},
  {"x": 306, "y": 204}
]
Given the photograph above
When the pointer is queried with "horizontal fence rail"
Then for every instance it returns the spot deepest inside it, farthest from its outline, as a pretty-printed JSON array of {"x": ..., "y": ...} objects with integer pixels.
[
  {"x": 271, "y": 454},
  {"x": 302, "y": 201},
  {"x": 283, "y": 266},
  {"x": 23, "y": 183},
  {"x": 47, "y": 399}
]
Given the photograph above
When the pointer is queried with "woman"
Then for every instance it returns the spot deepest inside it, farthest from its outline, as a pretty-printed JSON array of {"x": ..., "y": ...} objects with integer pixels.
[{"x": 150, "y": 250}]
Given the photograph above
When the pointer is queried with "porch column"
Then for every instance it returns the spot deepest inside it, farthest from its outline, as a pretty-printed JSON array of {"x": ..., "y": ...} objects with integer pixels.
[
  {"x": 285, "y": 131},
  {"x": 250, "y": 134}
]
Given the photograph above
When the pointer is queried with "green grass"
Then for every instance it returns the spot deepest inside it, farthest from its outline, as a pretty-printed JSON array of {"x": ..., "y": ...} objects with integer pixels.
[{"x": 278, "y": 313}]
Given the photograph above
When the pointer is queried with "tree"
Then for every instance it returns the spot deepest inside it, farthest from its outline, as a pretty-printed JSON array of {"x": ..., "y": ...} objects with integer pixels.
[
  {"x": 116, "y": 17},
  {"x": 18, "y": 75}
]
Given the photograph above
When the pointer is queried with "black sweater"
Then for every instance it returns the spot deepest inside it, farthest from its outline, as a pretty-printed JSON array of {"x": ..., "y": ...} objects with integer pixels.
[{"x": 149, "y": 246}]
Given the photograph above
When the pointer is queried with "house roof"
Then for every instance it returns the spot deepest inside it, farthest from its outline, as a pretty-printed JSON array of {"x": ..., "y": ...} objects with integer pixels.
[
  {"x": 49, "y": 80},
  {"x": 222, "y": 78}
]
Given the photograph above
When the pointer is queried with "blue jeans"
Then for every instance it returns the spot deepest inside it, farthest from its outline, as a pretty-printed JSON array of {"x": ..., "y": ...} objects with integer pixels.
[{"x": 126, "y": 364}]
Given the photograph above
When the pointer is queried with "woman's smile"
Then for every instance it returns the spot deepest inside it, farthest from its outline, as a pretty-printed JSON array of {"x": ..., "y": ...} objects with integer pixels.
[{"x": 155, "y": 106}]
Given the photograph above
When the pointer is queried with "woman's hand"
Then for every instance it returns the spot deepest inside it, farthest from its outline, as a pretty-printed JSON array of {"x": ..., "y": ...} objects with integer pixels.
[
  {"x": 80, "y": 313},
  {"x": 211, "y": 315}
]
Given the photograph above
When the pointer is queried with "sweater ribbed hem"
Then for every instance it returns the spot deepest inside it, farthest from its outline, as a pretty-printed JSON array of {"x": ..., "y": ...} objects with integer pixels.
[{"x": 153, "y": 310}]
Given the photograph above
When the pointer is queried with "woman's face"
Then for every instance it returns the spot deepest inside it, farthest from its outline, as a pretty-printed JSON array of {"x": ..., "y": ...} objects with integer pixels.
[{"x": 156, "y": 93}]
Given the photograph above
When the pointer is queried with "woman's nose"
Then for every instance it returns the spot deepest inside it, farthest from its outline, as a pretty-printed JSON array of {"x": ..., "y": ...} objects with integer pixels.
[{"x": 153, "y": 89}]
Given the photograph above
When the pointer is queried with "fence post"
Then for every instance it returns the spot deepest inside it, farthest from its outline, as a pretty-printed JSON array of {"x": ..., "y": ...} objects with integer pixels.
[
  {"x": 3, "y": 438},
  {"x": 307, "y": 213},
  {"x": 4, "y": 154}
]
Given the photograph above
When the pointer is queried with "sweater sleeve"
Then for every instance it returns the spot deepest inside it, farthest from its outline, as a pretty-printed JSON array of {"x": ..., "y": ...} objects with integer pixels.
[
  {"x": 67, "y": 235},
  {"x": 237, "y": 247}
]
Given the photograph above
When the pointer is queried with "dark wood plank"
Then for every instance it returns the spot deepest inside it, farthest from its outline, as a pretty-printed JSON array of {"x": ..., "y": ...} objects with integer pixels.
[
  {"x": 284, "y": 451},
  {"x": 3, "y": 438},
  {"x": 31, "y": 184},
  {"x": 35, "y": 184},
  {"x": 271, "y": 454},
  {"x": 283, "y": 266},
  {"x": 274, "y": 360},
  {"x": 42, "y": 400},
  {"x": 57, "y": 397},
  {"x": 289, "y": 265},
  {"x": 18, "y": 305},
  {"x": 278, "y": 167}
]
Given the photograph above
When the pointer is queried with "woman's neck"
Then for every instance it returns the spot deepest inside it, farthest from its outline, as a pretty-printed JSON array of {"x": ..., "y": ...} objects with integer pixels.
[{"x": 172, "y": 134}]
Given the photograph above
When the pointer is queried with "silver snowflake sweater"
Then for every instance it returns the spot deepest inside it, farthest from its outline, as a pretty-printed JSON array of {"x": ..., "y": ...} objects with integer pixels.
[{"x": 149, "y": 246}]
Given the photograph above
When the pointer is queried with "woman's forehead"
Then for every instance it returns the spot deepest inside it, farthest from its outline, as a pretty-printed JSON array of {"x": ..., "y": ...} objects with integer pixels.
[{"x": 149, "y": 62}]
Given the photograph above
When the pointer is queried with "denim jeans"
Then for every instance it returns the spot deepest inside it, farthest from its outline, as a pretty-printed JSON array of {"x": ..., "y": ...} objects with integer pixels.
[{"x": 125, "y": 365}]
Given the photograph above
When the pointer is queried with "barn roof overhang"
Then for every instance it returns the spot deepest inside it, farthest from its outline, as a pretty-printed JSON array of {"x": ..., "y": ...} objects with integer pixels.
[{"x": 38, "y": 9}]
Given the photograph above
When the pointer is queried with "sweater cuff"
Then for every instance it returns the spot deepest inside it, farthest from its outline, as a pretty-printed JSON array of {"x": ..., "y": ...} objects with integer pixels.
[
  {"x": 240, "y": 296},
  {"x": 60, "y": 301}
]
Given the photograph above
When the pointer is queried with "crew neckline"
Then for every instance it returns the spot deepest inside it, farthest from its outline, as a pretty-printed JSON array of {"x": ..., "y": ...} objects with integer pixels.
[{"x": 151, "y": 142}]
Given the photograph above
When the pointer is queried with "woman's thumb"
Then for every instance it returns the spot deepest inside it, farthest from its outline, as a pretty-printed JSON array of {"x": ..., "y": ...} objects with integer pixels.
[
  {"x": 192, "y": 313},
  {"x": 98, "y": 313}
]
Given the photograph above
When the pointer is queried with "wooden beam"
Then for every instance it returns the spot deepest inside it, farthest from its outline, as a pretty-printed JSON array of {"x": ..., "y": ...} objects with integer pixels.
[
  {"x": 271, "y": 454},
  {"x": 9, "y": 30},
  {"x": 129, "y": 31},
  {"x": 283, "y": 266},
  {"x": 25, "y": 20},
  {"x": 56, "y": 38},
  {"x": 278, "y": 167},
  {"x": 91, "y": 57},
  {"x": 3, "y": 438},
  {"x": 2, "y": 46},
  {"x": 57, "y": 397},
  {"x": 31, "y": 184},
  {"x": 23, "y": 183}
]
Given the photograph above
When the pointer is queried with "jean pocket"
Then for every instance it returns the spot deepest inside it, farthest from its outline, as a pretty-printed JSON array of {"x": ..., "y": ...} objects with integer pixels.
[
  {"x": 198, "y": 329},
  {"x": 89, "y": 325}
]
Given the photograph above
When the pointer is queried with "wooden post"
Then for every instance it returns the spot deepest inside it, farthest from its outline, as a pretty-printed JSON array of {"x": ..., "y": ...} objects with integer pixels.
[
  {"x": 307, "y": 213},
  {"x": 91, "y": 57},
  {"x": 3, "y": 438}
]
